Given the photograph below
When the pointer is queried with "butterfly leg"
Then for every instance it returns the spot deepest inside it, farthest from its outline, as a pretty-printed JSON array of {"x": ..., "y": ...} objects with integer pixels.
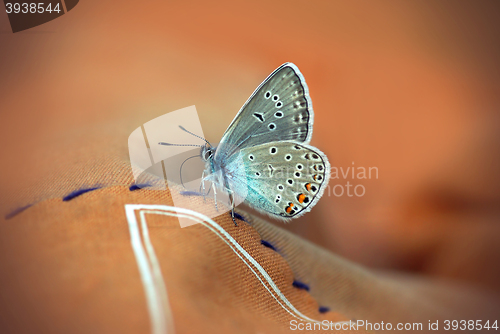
[
  {"x": 202, "y": 185},
  {"x": 215, "y": 197},
  {"x": 231, "y": 196},
  {"x": 230, "y": 193}
]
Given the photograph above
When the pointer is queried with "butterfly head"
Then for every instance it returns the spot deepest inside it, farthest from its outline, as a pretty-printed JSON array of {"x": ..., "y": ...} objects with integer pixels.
[
  {"x": 212, "y": 174},
  {"x": 207, "y": 152}
]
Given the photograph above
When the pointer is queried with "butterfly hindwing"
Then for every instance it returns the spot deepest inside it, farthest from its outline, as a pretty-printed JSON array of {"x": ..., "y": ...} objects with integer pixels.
[
  {"x": 280, "y": 109},
  {"x": 284, "y": 179}
]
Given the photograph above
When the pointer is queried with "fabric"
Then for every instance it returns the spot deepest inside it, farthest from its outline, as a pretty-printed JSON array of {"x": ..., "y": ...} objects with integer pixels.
[
  {"x": 75, "y": 259},
  {"x": 397, "y": 86},
  {"x": 71, "y": 265}
]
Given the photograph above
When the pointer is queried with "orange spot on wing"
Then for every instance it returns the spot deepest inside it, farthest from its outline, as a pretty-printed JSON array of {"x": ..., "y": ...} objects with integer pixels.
[
  {"x": 301, "y": 198},
  {"x": 308, "y": 186},
  {"x": 288, "y": 209}
]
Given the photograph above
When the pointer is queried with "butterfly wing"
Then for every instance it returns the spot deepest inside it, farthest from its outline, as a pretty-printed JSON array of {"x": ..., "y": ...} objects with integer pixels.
[
  {"x": 283, "y": 179},
  {"x": 279, "y": 109}
]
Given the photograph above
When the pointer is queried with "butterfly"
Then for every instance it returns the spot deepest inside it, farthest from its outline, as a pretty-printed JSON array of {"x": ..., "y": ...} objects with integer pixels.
[{"x": 264, "y": 157}]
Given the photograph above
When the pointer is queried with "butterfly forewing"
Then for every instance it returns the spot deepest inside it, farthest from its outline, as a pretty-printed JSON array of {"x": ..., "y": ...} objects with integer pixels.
[
  {"x": 283, "y": 179},
  {"x": 280, "y": 109}
]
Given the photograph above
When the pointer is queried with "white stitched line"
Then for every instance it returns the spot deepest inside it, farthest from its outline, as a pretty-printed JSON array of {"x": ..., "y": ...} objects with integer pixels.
[
  {"x": 153, "y": 293},
  {"x": 232, "y": 248},
  {"x": 219, "y": 231},
  {"x": 217, "y": 228},
  {"x": 157, "y": 275}
]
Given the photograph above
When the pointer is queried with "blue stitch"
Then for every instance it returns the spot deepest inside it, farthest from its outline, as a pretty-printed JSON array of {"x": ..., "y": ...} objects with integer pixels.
[
  {"x": 190, "y": 193},
  {"x": 324, "y": 309},
  {"x": 300, "y": 285},
  {"x": 138, "y": 186},
  {"x": 240, "y": 217},
  {"x": 17, "y": 211},
  {"x": 77, "y": 193},
  {"x": 268, "y": 245}
]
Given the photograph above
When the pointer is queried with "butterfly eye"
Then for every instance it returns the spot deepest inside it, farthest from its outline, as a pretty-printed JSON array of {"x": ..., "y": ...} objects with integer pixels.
[
  {"x": 267, "y": 95},
  {"x": 279, "y": 104},
  {"x": 288, "y": 157},
  {"x": 276, "y": 97},
  {"x": 272, "y": 126},
  {"x": 299, "y": 166},
  {"x": 208, "y": 154},
  {"x": 278, "y": 114},
  {"x": 280, "y": 187},
  {"x": 273, "y": 150},
  {"x": 251, "y": 157}
]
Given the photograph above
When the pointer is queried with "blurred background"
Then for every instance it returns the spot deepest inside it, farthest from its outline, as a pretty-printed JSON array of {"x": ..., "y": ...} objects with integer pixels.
[{"x": 408, "y": 87}]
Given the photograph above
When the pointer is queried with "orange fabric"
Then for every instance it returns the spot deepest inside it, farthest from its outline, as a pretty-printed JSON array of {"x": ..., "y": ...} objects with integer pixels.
[
  {"x": 409, "y": 87},
  {"x": 75, "y": 258},
  {"x": 72, "y": 262}
]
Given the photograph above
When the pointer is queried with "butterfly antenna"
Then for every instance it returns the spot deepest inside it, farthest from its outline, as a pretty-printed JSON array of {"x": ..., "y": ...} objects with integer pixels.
[
  {"x": 170, "y": 144},
  {"x": 206, "y": 141},
  {"x": 180, "y": 169}
]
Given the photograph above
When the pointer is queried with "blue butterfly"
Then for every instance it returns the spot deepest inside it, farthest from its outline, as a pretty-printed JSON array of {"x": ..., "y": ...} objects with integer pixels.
[{"x": 263, "y": 157}]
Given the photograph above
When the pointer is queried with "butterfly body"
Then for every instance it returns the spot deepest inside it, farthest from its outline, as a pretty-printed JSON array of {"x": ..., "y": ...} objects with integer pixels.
[{"x": 264, "y": 156}]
